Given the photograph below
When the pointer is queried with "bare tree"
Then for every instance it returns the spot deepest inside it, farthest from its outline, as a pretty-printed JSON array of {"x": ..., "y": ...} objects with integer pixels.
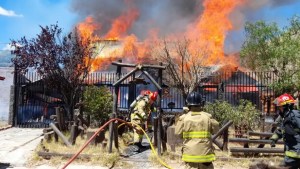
[{"x": 185, "y": 63}]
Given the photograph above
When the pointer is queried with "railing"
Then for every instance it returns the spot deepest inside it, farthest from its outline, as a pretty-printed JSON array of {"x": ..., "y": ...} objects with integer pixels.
[{"x": 34, "y": 101}]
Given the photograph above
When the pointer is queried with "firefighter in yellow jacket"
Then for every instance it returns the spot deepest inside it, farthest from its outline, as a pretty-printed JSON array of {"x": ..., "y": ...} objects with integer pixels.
[
  {"x": 140, "y": 114},
  {"x": 196, "y": 128}
]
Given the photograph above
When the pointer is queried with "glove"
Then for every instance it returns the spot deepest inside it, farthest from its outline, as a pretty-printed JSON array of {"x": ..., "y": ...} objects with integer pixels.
[{"x": 273, "y": 143}]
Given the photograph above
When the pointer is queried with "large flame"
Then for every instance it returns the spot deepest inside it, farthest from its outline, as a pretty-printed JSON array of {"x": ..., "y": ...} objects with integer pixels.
[
  {"x": 207, "y": 31},
  {"x": 211, "y": 27},
  {"x": 121, "y": 25},
  {"x": 87, "y": 29}
]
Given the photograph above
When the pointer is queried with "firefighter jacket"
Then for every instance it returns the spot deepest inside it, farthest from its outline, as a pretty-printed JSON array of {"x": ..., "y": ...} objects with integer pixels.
[
  {"x": 290, "y": 132},
  {"x": 141, "y": 110},
  {"x": 196, "y": 128}
]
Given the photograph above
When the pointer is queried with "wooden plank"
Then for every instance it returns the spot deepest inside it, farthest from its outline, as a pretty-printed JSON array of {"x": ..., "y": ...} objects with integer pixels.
[
  {"x": 98, "y": 139},
  {"x": 73, "y": 134},
  {"x": 261, "y": 134},
  {"x": 228, "y": 124},
  {"x": 256, "y": 150},
  {"x": 48, "y": 136},
  {"x": 64, "y": 139},
  {"x": 46, "y": 130},
  {"x": 155, "y": 131},
  {"x": 257, "y": 141},
  {"x": 172, "y": 138},
  {"x": 111, "y": 133},
  {"x": 48, "y": 155}
]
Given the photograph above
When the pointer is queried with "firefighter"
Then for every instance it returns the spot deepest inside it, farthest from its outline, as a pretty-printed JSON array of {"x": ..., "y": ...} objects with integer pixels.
[
  {"x": 196, "y": 127},
  {"x": 289, "y": 130},
  {"x": 141, "y": 112}
]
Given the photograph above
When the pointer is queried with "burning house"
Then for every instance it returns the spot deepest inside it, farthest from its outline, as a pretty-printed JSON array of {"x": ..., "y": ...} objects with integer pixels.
[{"x": 188, "y": 36}]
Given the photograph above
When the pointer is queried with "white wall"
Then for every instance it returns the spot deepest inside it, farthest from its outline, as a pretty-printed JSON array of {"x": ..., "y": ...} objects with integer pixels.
[{"x": 5, "y": 85}]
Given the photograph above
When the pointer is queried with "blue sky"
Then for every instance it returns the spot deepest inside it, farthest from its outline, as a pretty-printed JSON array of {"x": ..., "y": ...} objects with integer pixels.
[
  {"x": 22, "y": 18},
  {"x": 26, "y": 16}
]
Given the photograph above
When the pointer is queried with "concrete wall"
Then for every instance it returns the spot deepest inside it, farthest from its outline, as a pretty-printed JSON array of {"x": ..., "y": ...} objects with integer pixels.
[{"x": 5, "y": 88}]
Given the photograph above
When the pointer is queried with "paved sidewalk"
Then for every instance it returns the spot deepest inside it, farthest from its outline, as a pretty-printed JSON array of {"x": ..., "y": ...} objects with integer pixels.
[{"x": 17, "y": 144}]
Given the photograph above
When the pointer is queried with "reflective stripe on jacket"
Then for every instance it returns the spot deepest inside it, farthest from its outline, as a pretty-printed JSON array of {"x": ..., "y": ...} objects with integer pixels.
[
  {"x": 196, "y": 128},
  {"x": 292, "y": 154},
  {"x": 199, "y": 158},
  {"x": 289, "y": 131},
  {"x": 196, "y": 134}
]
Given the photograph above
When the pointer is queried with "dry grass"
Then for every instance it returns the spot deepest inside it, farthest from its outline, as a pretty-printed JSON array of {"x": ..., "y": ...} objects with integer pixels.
[
  {"x": 98, "y": 154},
  {"x": 101, "y": 157}
]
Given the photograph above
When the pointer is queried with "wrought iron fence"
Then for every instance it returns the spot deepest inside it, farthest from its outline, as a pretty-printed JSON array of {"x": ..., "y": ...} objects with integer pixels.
[{"x": 35, "y": 103}]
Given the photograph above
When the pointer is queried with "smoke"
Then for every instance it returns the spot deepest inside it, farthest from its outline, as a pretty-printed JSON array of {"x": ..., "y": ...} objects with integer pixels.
[
  {"x": 170, "y": 16},
  {"x": 164, "y": 15}
]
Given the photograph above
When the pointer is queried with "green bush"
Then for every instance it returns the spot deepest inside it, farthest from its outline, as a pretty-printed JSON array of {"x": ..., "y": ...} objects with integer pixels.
[
  {"x": 97, "y": 102},
  {"x": 220, "y": 110},
  {"x": 244, "y": 115}
]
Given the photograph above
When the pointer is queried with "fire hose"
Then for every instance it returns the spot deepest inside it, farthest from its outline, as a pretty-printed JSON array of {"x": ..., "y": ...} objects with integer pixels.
[
  {"x": 101, "y": 129},
  {"x": 151, "y": 145}
]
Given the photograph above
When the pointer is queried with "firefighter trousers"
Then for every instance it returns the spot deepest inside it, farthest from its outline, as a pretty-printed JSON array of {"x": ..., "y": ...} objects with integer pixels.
[{"x": 189, "y": 165}]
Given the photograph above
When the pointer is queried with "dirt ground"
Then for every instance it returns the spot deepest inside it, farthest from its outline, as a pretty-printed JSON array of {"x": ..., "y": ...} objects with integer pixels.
[{"x": 225, "y": 160}]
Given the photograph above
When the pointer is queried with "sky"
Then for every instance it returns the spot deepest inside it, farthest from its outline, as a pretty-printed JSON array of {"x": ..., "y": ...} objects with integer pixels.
[{"x": 20, "y": 18}]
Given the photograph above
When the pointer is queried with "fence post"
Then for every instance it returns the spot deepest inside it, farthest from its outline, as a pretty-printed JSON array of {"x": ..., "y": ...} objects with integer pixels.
[
  {"x": 111, "y": 133},
  {"x": 155, "y": 120},
  {"x": 159, "y": 134},
  {"x": 159, "y": 122},
  {"x": 225, "y": 140},
  {"x": 115, "y": 127},
  {"x": 59, "y": 118}
]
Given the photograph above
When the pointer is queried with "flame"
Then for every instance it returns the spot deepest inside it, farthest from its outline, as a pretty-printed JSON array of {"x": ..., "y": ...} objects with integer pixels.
[
  {"x": 208, "y": 32},
  {"x": 86, "y": 31},
  {"x": 87, "y": 28},
  {"x": 121, "y": 24},
  {"x": 211, "y": 27}
]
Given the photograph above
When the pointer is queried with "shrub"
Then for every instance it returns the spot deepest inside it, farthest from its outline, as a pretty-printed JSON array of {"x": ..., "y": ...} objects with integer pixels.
[
  {"x": 220, "y": 110},
  {"x": 244, "y": 115},
  {"x": 97, "y": 102}
]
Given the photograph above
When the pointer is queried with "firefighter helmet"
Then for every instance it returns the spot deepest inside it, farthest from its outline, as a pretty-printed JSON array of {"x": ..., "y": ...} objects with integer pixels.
[
  {"x": 194, "y": 99},
  {"x": 284, "y": 99},
  {"x": 153, "y": 96}
]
